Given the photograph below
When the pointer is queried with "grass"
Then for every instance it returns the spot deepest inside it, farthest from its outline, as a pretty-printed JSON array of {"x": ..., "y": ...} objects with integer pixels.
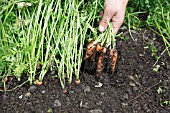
[
  {"x": 39, "y": 36},
  {"x": 158, "y": 20},
  {"x": 162, "y": 22},
  {"x": 48, "y": 34}
]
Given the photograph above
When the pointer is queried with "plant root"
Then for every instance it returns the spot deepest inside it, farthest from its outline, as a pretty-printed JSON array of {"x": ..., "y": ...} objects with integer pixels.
[
  {"x": 99, "y": 63},
  {"x": 113, "y": 57},
  {"x": 90, "y": 50},
  {"x": 98, "y": 49},
  {"x": 95, "y": 50}
]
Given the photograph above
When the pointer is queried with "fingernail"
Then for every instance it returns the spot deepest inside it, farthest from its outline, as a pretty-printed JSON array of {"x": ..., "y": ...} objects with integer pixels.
[{"x": 101, "y": 28}]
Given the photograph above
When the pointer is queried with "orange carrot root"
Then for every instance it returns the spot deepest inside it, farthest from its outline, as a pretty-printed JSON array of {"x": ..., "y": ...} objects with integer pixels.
[
  {"x": 113, "y": 57},
  {"x": 98, "y": 48},
  {"x": 90, "y": 50},
  {"x": 99, "y": 63},
  {"x": 93, "y": 56},
  {"x": 77, "y": 81},
  {"x": 38, "y": 83}
]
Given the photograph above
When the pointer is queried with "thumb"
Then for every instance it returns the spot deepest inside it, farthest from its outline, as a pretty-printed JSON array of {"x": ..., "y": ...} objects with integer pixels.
[{"x": 105, "y": 20}]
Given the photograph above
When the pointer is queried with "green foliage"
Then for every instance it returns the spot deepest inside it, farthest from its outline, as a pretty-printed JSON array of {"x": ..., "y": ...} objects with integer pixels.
[
  {"x": 163, "y": 91},
  {"x": 49, "y": 33},
  {"x": 154, "y": 14},
  {"x": 52, "y": 33},
  {"x": 159, "y": 90},
  {"x": 166, "y": 103}
]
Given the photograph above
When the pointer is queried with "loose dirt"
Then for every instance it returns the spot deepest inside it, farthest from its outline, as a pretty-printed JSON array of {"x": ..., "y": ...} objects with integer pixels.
[{"x": 131, "y": 89}]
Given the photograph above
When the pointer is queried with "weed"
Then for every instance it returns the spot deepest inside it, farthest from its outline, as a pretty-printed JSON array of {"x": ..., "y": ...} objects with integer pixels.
[
  {"x": 159, "y": 90},
  {"x": 166, "y": 103}
]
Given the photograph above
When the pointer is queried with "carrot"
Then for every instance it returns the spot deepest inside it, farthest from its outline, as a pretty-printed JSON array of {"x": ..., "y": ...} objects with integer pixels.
[
  {"x": 38, "y": 83},
  {"x": 90, "y": 50},
  {"x": 113, "y": 57},
  {"x": 77, "y": 81},
  {"x": 93, "y": 56},
  {"x": 65, "y": 91},
  {"x": 98, "y": 48},
  {"x": 99, "y": 63},
  {"x": 5, "y": 79},
  {"x": 104, "y": 50}
]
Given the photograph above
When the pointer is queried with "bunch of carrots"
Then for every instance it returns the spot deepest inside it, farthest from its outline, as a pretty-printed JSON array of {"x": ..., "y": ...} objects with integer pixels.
[{"x": 104, "y": 44}]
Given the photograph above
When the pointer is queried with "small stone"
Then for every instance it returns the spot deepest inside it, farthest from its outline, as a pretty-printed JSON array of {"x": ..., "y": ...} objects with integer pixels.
[
  {"x": 141, "y": 55},
  {"x": 125, "y": 96},
  {"x": 81, "y": 104},
  {"x": 132, "y": 84},
  {"x": 67, "y": 99},
  {"x": 135, "y": 39},
  {"x": 99, "y": 84},
  {"x": 129, "y": 91},
  {"x": 102, "y": 93},
  {"x": 71, "y": 92},
  {"x": 28, "y": 94},
  {"x": 99, "y": 103},
  {"x": 96, "y": 111},
  {"x": 57, "y": 103},
  {"x": 137, "y": 83},
  {"x": 20, "y": 97},
  {"x": 140, "y": 67},
  {"x": 32, "y": 88},
  {"x": 87, "y": 89},
  {"x": 135, "y": 88},
  {"x": 43, "y": 91},
  {"x": 148, "y": 110},
  {"x": 86, "y": 105},
  {"x": 168, "y": 66},
  {"x": 131, "y": 77},
  {"x": 83, "y": 86}
]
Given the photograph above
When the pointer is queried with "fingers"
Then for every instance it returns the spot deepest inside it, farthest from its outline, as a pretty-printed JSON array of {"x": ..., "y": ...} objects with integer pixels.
[
  {"x": 115, "y": 14},
  {"x": 117, "y": 21},
  {"x": 106, "y": 19}
]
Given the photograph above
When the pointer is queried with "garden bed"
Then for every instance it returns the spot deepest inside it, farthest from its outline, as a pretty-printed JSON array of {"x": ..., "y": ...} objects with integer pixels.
[{"x": 134, "y": 87}]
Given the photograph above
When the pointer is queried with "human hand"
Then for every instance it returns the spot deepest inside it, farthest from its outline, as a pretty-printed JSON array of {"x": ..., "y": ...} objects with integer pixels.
[{"x": 114, "y": 10}]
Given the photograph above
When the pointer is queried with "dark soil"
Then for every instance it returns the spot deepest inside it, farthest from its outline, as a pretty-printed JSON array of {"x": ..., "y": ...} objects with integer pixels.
[{"x": 131, "y": 89}]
